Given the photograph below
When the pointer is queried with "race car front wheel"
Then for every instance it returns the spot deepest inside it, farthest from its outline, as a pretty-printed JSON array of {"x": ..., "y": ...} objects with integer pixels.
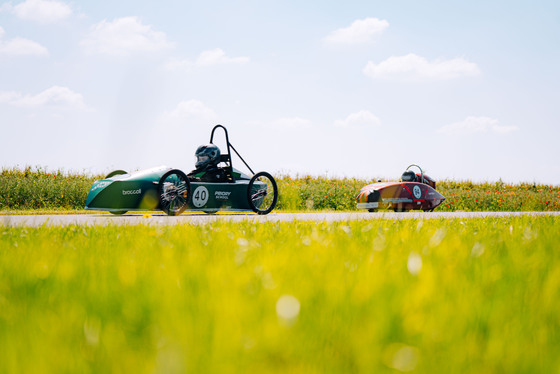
[
  {"x": 262, "y": 193},
  {"x": 174, "y": 191}
]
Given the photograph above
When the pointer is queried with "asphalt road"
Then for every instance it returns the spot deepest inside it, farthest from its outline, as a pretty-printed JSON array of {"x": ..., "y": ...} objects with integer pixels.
[{"x": 200, "y": 219}]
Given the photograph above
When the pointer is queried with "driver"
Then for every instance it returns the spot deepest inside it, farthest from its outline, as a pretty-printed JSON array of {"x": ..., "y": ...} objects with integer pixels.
[
  {"x": 409, "y": 176},
  {"x": 207, "y": 160}
]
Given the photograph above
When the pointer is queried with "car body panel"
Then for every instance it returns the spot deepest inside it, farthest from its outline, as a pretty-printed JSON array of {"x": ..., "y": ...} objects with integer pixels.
[
  {"x": 139, "y": 191},
  {"x": 399, "y": 196}
]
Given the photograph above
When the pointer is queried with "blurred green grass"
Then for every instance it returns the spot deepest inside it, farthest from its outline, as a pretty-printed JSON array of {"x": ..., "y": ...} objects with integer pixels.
[
  {"x": 382, "y": 296},
  {"x": 39, "y": 189}
]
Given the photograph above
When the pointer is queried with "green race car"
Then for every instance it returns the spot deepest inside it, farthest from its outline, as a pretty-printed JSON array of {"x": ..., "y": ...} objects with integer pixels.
[{"x": 214, "y": 186}]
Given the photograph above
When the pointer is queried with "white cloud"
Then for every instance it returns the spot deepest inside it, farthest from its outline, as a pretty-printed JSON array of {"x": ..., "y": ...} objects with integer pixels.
[
  {"x": 207, "y": 58},
  {"x": 55, "y": 96},
  {"x": 360, "y": 31},
  {"x": 414, "y": 66},
  {"x": 189, "y": 110},
  {"x": 362, "y": 119},
  {"x": 9, "y": 97},
  {"x": 20, "y": 47},
  {"x": 124, "y": 36},
  {"x": 218, "y": 56},
  {"x": 41, "y": 11},
  {"x": 476, "y": 125}
]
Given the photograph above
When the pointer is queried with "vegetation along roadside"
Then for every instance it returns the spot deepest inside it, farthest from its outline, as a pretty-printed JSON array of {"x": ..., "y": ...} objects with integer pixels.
[{"x": 39, "y": 189}]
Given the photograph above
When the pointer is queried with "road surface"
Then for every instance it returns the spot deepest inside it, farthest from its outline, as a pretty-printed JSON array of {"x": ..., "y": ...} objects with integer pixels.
[{"x": 200, "y": 219}]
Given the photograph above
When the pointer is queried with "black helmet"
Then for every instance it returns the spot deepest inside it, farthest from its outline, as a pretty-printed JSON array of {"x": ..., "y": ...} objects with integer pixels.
[
  {"x": 409, "y": 176},
  {"x": 207, "y": 156}
]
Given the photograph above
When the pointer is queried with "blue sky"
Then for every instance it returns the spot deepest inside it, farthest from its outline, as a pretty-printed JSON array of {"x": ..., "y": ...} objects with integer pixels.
[{"x": 468, "y": 90}]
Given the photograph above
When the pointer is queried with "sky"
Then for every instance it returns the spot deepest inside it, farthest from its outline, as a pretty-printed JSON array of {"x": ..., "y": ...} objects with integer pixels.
[{"x": 467, "y": 90}]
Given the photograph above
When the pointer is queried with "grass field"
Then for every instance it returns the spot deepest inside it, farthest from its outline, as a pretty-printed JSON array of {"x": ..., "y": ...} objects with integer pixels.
[
  {"x": 38, "y": 189},
  {"x": 423, "y": 296}
]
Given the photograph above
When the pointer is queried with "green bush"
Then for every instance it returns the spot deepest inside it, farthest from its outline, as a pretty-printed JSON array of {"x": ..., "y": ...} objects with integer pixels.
[{"x": 37, "y": 188}]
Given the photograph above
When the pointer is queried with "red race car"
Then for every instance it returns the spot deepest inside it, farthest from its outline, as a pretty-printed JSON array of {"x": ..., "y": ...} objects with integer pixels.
[{"x": 415, "y": 191}]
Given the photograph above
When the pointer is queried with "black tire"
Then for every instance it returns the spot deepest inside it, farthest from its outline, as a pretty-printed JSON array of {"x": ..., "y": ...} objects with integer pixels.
[
  {"x": 372, "y": 210},
  {"x": 174, "y": 192},
  {"x": 262, "y": 201},
  {"x": 115, "y": 172},
  {"x": 118, "y": 212}
]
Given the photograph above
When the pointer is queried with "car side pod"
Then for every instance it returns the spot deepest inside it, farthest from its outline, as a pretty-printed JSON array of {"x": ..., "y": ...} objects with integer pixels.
[
  {"x": 120, "y": 192},
  {"x": 415, "y": 191}
]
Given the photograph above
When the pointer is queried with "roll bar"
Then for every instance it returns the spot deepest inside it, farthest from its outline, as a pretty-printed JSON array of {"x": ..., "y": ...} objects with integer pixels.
[
  {"x": 421, "y": 172},
  {"x": 227, "y": 157}
]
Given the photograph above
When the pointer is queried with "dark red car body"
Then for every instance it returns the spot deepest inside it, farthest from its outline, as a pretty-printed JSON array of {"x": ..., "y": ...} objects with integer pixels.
[{"x": 401, "y": 196}]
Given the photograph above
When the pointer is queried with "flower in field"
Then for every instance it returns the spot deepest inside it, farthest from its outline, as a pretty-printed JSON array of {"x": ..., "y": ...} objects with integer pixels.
[
  {"x": 287, "y": 309},
  {"x": 401, "y": 357},
  {"x": 414, "y": 263}
]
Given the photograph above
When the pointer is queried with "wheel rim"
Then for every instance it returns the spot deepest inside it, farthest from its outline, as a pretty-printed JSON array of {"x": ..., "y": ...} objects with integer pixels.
[
  {"x": 173, "y": 194},
  {"x": 263, "y": 193},
  {"x": 118, "y": 212}
]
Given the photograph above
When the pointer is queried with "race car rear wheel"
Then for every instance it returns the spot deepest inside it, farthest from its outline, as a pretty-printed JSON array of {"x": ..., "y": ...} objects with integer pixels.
[
  {"x": 174, "y": 191},
  {"x": 262, "y": 193}
]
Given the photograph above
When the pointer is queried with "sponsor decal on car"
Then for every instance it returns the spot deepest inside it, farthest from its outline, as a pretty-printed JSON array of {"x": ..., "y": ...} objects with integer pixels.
[
  {"x": 100, "y": 185},
  {"x": 367, "y": 205},
  {"x": 132, "y": 192},
  {"x": 222, "y": 195},
  {"x": 397, "y": 200}
]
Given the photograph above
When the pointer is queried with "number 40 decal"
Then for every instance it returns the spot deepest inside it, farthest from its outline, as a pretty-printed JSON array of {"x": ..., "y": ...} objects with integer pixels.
[{"x": 200, "y": 196}]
